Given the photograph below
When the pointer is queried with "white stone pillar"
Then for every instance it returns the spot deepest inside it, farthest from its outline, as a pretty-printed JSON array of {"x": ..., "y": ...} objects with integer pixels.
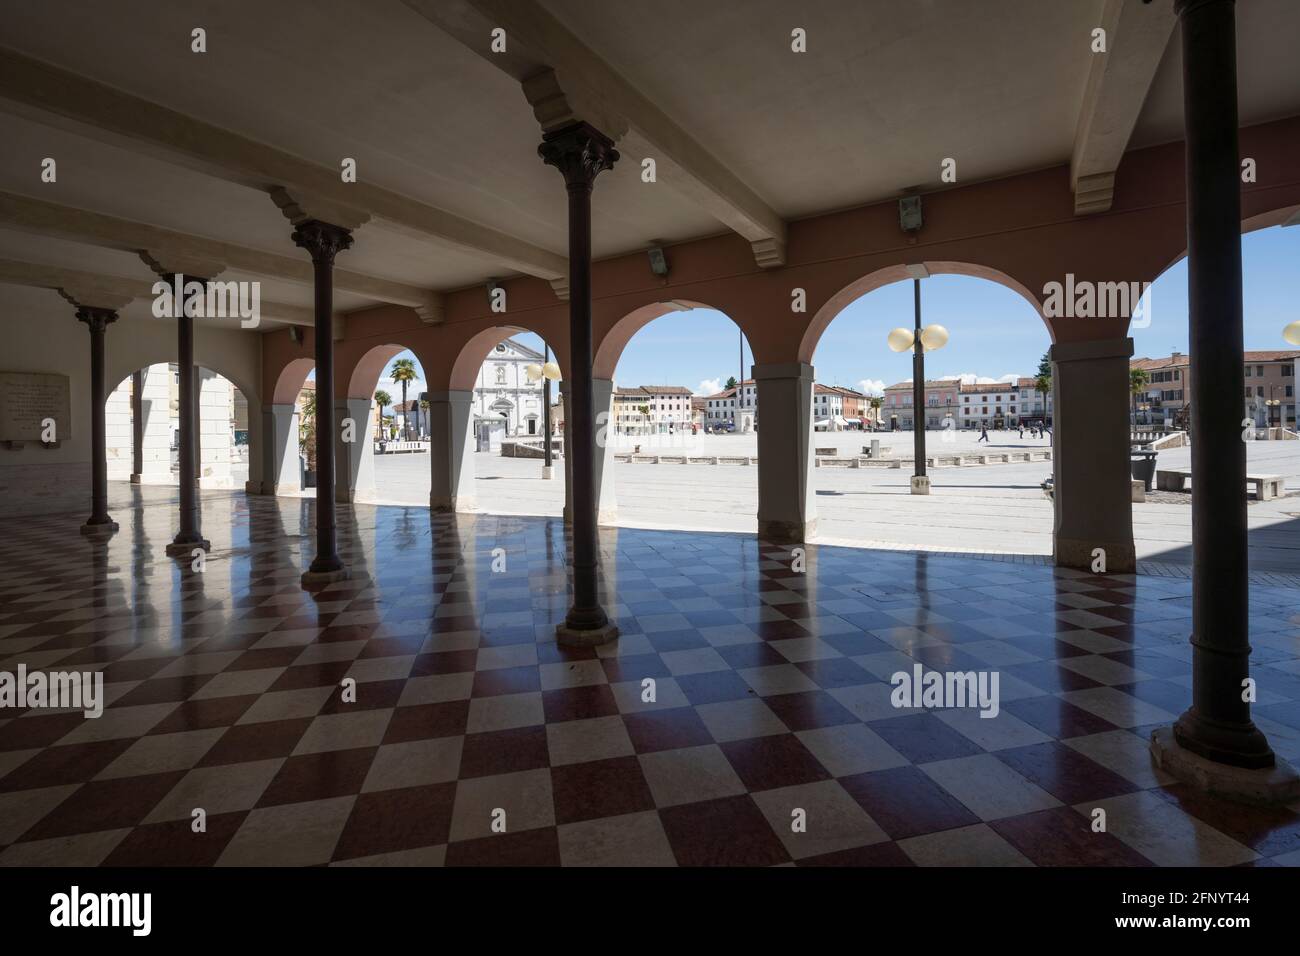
[
  {"x": 216, "y": 407},
  {"x": 787, "y": 510},
  {"x": 1092, "y": 492},
  {"x": 605, "y": 489},
  {"x": 156, "y": 449},
  {"x": 354, "y": 461},
  {"x": 281, "y": 469},
  {"x": 117, "y": 432},
  {"x": 451, "y": 450}
]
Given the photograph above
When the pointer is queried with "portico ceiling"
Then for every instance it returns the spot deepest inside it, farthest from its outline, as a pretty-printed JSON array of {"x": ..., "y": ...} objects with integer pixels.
[{"x": 886, "y": 92}]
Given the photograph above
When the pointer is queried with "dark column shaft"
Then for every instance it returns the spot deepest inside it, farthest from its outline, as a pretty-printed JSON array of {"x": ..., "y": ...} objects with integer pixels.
[
  {"x": 190, "y": 532},
  {"x": 1218, "y": 724},
  {"x": 98, "y": 320},
  {"x": 327, "y": 556},
  {"x": 580, "y": 152},
  {"x": 324, "y": 241},
  {"x": 546, "y": 406},
  {"x": 137, "y": 423},
  {"x": 585, "y": 604},
  {"x": 918, "y": 385}
]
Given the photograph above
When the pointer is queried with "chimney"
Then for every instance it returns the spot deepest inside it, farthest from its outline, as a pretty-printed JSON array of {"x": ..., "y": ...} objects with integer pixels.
[{"x": 1176, "y": 356}]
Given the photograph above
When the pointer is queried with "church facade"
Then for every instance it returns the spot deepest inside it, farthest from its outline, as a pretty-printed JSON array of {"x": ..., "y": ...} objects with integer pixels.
[{"x": 505, "y": 401}]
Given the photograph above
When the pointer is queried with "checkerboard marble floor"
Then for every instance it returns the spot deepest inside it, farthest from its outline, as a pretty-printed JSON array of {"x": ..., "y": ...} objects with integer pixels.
[{"x": 474, "y": 739}]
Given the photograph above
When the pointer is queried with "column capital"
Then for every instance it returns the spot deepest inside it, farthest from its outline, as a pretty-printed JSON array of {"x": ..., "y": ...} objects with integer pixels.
[
  {"x": 579, "y": 152},
  {"x": 322, "y": 240},
  {"x": 96, "y": 318}
]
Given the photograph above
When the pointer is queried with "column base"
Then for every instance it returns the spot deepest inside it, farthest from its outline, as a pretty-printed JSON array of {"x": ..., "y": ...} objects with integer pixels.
[
  {"x": 444, "y": 505},
  {"x": 311, "y": 579},
  {"x": 786, "y": 532},
  {"x": 586, "y": 637},
  {"x": 1121, "y": 556},
  {"x": 135, "y": 478},
  {"x": 1264, "y": 786},
  {"x": 548, "y": 472},
  {"x": 184, "y": 549},
  {"x": 920, "y": 484},
  {"x": 99, "y": 529}
]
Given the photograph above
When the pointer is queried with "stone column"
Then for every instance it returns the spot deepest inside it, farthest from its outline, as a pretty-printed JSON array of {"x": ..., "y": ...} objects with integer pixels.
[
  {"x": 604, "y": 487},
  {"x": 98, "y": 320},
  {"x": 119, "y": 431},
  {"x": 356, "y": 458},
  {"x": 581, "y": 152},
  {"x": 324, "y": 240},
  {"x": 215, "y": 452},
  {"x": 451, "y": 451},
  {"x": 190, "y": 535},
  {"x": 280, "y": 466},
  {"x": 787, "y": 510},
  {"x": 1214, "y": 743},
  {"x": 137, "y": 426},
  {"x": 1090, "y": 453}
]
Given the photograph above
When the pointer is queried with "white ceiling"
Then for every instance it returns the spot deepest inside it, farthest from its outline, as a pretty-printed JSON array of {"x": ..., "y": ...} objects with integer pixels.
[{"x": 888, "y": 90}]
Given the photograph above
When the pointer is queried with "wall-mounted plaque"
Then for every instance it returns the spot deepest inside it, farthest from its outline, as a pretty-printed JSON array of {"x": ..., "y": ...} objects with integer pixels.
[{"x": 27, "y": 400}]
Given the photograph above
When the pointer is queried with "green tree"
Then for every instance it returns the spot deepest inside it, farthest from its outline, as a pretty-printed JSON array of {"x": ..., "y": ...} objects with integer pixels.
[
  {"x": 645, "y": 413},
  {"x": 1043, "y": 381},
  {"x": 382, "y": 399},
  {"x": 1138, "y": 380},
  {"x": 731, "y": 382},
  {"x": 403, "y": 373},
  {"x": 424, "y": 406},
  {"x": 307, "y": 427}
]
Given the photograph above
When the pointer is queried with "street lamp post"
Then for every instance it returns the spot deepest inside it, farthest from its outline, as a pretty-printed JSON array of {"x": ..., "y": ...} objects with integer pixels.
[
  {"x": 919, "y": 340},
  {"x": 548, "y": 372}
]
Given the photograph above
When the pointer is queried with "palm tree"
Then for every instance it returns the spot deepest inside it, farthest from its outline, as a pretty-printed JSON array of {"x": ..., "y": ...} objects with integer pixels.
[
  {"x": 403, "y": 372},
  {"x": 645, "y": 413},
  {"x": 1138, "y": 380},
  {"x": 307, "y": 428},
  {"x": 876, "y": 404},
  {"x": 382, "y": 399},
  {"x": 424, "y": 404}
]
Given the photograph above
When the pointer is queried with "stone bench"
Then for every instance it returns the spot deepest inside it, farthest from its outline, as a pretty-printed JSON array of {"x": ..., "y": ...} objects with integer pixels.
[
  {"x": 1138, "y": 489},
  {"x": 827, "y": 452},
  {"x": 1265, "y": 487}
]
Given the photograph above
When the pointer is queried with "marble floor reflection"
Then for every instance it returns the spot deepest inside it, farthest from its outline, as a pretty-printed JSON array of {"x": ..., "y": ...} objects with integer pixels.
[{"x": 421, "y": 712}]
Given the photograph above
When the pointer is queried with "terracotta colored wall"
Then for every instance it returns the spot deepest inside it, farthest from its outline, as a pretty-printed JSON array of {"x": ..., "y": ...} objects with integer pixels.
[{"x": 1020, "y": 231}]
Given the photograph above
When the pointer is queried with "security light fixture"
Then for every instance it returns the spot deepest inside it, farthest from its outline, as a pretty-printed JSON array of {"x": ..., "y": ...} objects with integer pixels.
[
  {"x": 909, "y": 213},
  {"x": 658, "y": 261}
]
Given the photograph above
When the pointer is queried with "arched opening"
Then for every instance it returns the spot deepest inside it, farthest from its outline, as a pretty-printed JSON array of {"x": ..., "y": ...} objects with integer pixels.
[
  {"x": 985, "y": 418},
  {"x": 681, "y": 436},
  {"x": 288, "y": 429},
  {"x": 389, "y": 459},
  {"x": 1160, "y": 400},
  {"x": 143, "y": 419},
  {"x": 497, "y": 419}
]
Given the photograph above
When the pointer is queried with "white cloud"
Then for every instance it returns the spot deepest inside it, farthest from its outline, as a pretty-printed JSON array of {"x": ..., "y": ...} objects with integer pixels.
[
  {"x": 709, "y": 386},
  {"x": 871, "y": 386}
]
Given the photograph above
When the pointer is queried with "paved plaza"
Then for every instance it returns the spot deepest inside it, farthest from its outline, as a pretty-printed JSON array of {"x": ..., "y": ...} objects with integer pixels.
[{"x": 973, "y": 508}]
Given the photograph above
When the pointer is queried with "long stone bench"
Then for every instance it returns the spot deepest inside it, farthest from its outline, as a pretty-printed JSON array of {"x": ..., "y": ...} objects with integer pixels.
[{"x": 1265, "y": 487}]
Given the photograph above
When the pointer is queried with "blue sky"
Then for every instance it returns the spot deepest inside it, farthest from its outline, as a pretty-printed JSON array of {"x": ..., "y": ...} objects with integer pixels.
[{"x": 993, "y": 332}]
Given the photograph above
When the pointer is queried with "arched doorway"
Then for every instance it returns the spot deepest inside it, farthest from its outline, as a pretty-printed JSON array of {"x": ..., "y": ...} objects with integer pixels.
[
  {"x": 682, "y": 420},
  {"x": 494, "y": 419},
  {"x": 987, "y": 445},
  {"x": 143, "y": 420}
]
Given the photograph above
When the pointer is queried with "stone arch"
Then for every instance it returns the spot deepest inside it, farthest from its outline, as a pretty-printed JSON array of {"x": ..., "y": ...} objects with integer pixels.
[
  {"x": 470, "y": 358},
  {"x": 898, "y": 273}
]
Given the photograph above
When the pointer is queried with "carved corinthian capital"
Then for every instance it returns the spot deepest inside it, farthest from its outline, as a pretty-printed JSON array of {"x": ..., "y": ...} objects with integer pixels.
[
  {"x": 322, "y": 239},
  {"x": 579, "y": 152}
]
